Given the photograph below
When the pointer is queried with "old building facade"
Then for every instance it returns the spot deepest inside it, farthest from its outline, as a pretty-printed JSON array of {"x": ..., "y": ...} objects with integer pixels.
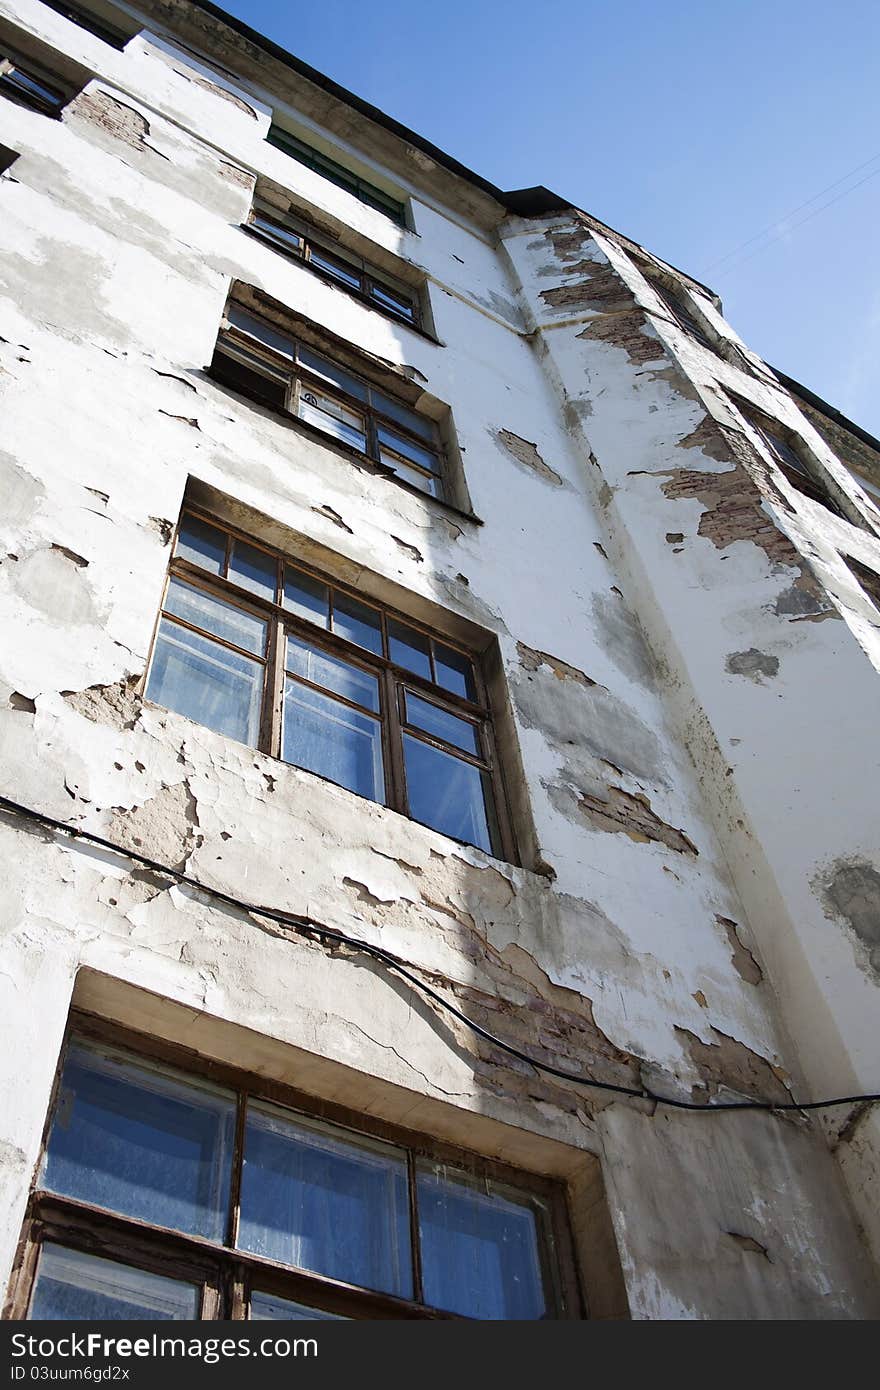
[{"x": 436, "y": 570}]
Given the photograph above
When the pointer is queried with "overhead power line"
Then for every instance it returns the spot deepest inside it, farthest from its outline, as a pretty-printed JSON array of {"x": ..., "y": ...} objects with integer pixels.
[
  {"x": 780, "y": 225},
  {"x": 309, "y": 927}
]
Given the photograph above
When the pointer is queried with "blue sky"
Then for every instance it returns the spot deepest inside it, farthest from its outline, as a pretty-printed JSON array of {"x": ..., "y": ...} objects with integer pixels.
[{"x": 691, "y": 127}]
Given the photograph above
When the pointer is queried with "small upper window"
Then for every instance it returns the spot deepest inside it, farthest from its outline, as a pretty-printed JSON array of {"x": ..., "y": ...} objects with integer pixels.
[
  {"x": 27, "y": 84},
  {"x": 295, "y": 239},
  {"x": 7, "y": 158},
  {"x": 116, "y": 37},
  {"x": 681, "y": 312},
  {"x": 788, "y": 459},
  {"x": 258, "y": 359},
  {"x": 343, "y": 178}
]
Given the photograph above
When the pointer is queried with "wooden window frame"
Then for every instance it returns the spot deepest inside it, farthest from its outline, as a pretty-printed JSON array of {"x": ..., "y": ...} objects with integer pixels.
[
  {"x": 393, "y": 678},
  {"x": 677, "y": 306},
  {"x": 774, "y": 436},
  {"x": 58, "y": 91},
  {"x": 365, "y": 192},
  {"x": 228, "y": 1276},
  {"x": 288, "y": 375},
  {"x": 369, "y": 278}
]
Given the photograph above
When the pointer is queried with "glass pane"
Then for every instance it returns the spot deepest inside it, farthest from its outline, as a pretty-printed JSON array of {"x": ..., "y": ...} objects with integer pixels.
[
  {"x": 348, "y": 275},
  {"x": 306, "y": 597},
  {"x": 358, "y": 622},
  {"x": 332, "y": 417},
  {"x": 409, "y": 648},
  {"x": 328, "y": 371},
  {"x": 425, "y": 482},
  {"x": 318, "y": 1198},
  {"x": 395, "y": 302},
  {"x": 285, "y": 236},
  {"x": 31, "y": 87},
  {"x": 339, "y": 676},
  {"x": 480, "y": 1250},
  {"x": 449, "y": 795},
  {"x": 455, "y": 671},
  {"x": 414, "y": 452},
  {"x": 213, "y": 614},
  {"x": 267, "y": 1306},
  {"x": 396, "y": 410},
  {"x": 201, "y": 544},
  {"x": 262, "y": 331},
  {"x": 324, "y": 736},
  {"x": 441, "y": 724},
  {"x": 147, "y": 1143},
  {"x": 207, "y": 683},
  {"x": 74, "y": 1287},
  {"x": 253, "y": 569}
]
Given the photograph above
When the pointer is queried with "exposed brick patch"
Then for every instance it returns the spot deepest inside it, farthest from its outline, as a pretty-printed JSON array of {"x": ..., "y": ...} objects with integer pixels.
[
  {"x": 527, "y": 454},
  {"x": 620, "y": 812},
  {"x": 734, "y": 511},
  {"x": 744, "y": 962},
  {"x": 626, "y": 331},
  {"x": 532, "y": 660},
  {"x": 233, "y": 174},
  {"x": 221, "y": 92},
  {"x": 119, "y": 120},
  {"x": 735, "y": 1066},
  {"x": 601, "y": 289},
  {"x": 116, "y": 705}
]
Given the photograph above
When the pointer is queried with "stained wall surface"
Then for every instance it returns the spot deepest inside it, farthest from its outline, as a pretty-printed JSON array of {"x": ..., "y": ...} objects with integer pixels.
[{"x": 685, "y": 688}]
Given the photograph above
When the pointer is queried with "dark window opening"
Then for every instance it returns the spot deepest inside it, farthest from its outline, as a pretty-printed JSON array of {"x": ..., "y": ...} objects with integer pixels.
[
  {"x": 267, "y": 652},
  {"x": 27, "y": 84},
  {"x": 868, "y": 579},
  {"x": 682, "y": 314},
  {"x": 256, "y": 358},
  {"x": 294, "y": 239},
  {"x": 790, "y": 462},
  {"x": 166, "y": 1193},
  {"x": 7, "y": 158},
  {"x": 321, "y": 164},
  {"x": 85, "y": 19}
]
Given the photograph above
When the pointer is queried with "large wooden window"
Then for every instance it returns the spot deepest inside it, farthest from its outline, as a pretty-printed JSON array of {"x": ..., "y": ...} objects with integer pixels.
[
  {"x": 294, "y": 238},
  {"x": 267, "y": 651},
  {"x": 328, "y": 168},
  {"x": 260, "y": 360},
  {"x": 788, "y": 459},
  {"x": 171, "y": 1193}
]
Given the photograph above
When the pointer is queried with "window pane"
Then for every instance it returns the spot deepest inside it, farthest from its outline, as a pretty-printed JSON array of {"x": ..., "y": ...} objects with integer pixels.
[
  {"x": 318, "y": 1198},
  {"x": 284, "y": 236},
  {"x": 75, "y": 1287},
  {"x": 396, "y": 410},
  {"x": 331, "y": 416},
  {"x": 246, "y": 372},
  {"x": 266, "y": 1307},
  {"x": 215, "y": 615},
  {"x": 395, "y": 302},
  {"x": 328, "y": 371},
  {"x": 410, "y": 451},
  {"x": 348, "y": 275},
  {"x": 425, "y": 482},
  {"x": 253, "y": 569},
  {"x": 206, "y": 682},
  {"x": 306, "y": 597},
  {"x": 480, "y": 1250},
  {"x": 261, "y": 330},
  {"x": 201, "y": 544},
  {"x": 409, "y": 648},
  {"x": 324, "y": 736},
  {"x": 455, "y": 671},
  {"x": 148, "y": 1144},
  {"x": 339, "y": 676},
  {"x": 441, "y": 724},
  {"x": 30, "y": 90},
  {"x": 358, "y": 622},
  {"x": 449, "y": 795}
]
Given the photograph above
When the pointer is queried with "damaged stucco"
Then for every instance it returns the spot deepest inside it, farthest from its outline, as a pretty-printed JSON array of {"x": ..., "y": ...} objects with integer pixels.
[{"x": 625, "y": 946}]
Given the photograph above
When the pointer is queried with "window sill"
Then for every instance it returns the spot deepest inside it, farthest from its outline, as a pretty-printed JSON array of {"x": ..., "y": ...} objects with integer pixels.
[{"x": 347, "y": 451}]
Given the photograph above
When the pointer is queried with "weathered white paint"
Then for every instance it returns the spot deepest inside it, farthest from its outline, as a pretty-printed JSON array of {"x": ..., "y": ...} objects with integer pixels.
[{"x": 117, "y": 257}]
